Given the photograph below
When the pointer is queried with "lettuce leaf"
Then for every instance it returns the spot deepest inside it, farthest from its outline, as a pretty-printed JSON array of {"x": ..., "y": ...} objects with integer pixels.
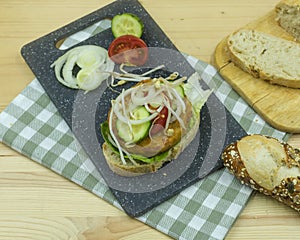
[{"x": 194, "y": 92}]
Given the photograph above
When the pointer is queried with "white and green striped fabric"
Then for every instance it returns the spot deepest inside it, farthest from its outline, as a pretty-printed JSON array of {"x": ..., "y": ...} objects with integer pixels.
[{"x": 206, "y": 210}]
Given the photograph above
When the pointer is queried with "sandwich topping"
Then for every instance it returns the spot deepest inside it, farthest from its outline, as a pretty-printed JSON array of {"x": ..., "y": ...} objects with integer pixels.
[
  {"x": 146, "y": 122},
  {"x": 150, "y": 118},
  {"x": 93, "y": 67}
]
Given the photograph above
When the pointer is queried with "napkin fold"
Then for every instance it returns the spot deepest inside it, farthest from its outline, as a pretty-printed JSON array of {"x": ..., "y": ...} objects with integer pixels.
[{"x": 32, "y": 126}]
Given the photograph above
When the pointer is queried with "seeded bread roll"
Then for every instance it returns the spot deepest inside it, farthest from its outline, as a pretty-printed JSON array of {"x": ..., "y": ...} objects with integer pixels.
[
  {"x": 288, "y": 17},
  {"x": 266, "y": 56},
  {"x": 267, "y": 165}
]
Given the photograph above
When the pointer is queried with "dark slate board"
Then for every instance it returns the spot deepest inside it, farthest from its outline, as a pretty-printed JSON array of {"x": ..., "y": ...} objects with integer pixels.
[{"x": 84, "y": 112}]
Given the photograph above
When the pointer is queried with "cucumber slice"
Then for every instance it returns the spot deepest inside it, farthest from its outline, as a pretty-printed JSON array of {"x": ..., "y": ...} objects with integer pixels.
[
  {"x": 105, "y": 133},
  {"x": 126, "y": 24},
  {"x": 139, "y": 131}
]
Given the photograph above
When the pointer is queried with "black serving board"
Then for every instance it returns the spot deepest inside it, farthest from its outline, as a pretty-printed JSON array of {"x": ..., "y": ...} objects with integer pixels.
[{"x": 85, "y": 112}]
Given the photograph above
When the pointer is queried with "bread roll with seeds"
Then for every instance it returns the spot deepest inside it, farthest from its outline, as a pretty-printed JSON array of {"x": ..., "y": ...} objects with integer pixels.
[
  {"x": 267, "y": 165},
  {"x": 288, "y": 17}
]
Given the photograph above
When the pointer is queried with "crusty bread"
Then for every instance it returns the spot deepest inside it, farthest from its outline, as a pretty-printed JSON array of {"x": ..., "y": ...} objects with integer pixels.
[
  {"x": 288, "y": 16},
  {"x": 130, "y": 169},
  {"x": 267, "y": 165},
  {"x": 265, "y": 56}
]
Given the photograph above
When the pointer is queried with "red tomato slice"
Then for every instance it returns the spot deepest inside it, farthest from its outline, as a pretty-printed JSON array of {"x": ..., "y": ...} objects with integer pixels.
[
  {"x": 128, "y": 49},
  {"x": 160, "y": 122}
]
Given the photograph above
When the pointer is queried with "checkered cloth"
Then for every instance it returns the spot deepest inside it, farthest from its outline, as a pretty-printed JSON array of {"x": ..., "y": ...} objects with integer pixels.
[{"x": 206, "y": 210}]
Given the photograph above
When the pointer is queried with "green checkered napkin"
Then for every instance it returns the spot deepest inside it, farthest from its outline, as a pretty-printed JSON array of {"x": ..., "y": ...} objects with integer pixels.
[{"x": 206, "y": 210}]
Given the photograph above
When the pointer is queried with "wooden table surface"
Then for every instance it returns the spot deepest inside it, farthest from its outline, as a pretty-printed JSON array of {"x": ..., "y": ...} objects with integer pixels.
[{"x": 36, "y": 203}]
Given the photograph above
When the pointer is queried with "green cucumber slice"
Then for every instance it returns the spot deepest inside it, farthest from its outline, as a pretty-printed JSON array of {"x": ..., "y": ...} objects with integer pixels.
[
  {"x": 139, "y": 131},
  {"x": 105, "y": 133},
  {"x": 126, "y": 24}
]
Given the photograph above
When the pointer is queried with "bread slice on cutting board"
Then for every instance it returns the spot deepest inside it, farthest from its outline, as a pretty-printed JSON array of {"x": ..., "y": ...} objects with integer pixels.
[
  {"x": 276, "y": 104},
  {"x": 266, "y": 57},
  {"x": 268, "y": 165},
  {"x": 288, "y": 16}
]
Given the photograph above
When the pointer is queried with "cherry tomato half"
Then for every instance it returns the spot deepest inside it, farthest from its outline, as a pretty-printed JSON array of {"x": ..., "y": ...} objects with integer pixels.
[
  {"x": 160, "y": 122},
  {"x": 128, "y": 49}
]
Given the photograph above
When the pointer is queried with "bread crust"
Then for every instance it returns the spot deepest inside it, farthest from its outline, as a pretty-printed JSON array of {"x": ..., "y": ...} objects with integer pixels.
[
  {"x": 238, "y": 57},
  {"x": 284, "y": 176},
  {"x": 130, "y": 170}
]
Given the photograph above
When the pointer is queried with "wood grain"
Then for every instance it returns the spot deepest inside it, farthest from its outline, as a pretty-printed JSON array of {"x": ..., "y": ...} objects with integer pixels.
[
  {"x": 36, "y": 203},
  {"x": 276, "y": 104}
]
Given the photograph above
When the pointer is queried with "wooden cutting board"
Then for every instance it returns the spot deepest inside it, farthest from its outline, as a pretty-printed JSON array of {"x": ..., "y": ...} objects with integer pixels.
[{"x": 277, "y": 105}]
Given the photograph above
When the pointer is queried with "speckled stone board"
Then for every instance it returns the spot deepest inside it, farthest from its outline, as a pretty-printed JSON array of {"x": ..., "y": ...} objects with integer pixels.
[{"x": 84, "y": 112}]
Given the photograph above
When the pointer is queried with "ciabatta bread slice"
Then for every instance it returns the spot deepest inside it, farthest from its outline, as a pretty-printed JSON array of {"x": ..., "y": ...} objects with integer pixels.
[
  {"x": 266, "y": 56},
  {"x": 267, "y": 165},
  {"x": 288, "y": 16}
]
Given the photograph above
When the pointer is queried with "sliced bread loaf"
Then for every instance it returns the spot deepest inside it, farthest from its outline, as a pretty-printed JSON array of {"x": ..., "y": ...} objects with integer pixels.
[
  {"x": 288, "y": 16},
  {"x": 266, "y": 56}
]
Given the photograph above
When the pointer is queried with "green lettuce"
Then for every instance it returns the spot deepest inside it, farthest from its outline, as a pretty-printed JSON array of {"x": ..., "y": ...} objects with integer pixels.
[{"x": 194, "y": 92}]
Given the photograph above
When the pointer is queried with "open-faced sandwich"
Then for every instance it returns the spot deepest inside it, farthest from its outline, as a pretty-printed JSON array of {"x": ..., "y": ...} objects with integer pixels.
[{"x": 151, "y": 123}]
